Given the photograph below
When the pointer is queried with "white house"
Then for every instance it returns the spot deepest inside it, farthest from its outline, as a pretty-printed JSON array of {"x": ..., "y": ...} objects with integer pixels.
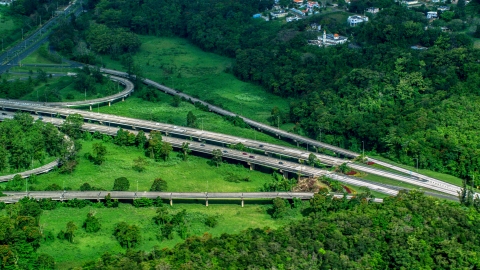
[
  {"x": 372, "y": 10},
  {"x": 278, "y": 14},
  {"x": 5, "y": 2},
  {"x": 432, "y": 15},
  {"x": 328, "y": 40},
  {"x": 443, "y": 8},
  {"x": 354, "y": 20}
]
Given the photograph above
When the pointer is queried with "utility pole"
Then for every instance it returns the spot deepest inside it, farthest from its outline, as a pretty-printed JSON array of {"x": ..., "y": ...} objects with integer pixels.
[
  {"x": 22, "y": 33},
  {"x": 363, "y": 150},
  {"x": 85, "y": 93},
  {"x": 278, "y": 122},
  {"x": 417, "y": 163},
  {"x": 137, "y": 185}
]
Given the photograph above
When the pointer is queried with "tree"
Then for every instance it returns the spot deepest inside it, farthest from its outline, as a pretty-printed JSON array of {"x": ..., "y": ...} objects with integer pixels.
[
  {"x": 44, "y": 262},
  {"x": 72, "y": 126},
  {"x": 141, "y": 139},
  {"x": 154, "y": 145},
  {"x": 3, "y": 158},
  {"x": 121, "y": 184},
  {"x": 176, "y": 101},
  {"x": 280, "y": 208},
  {"x": 217, "y": 157},
  {"x": 163, "y": 216},
  {"x": 191, "y": 120},
  {"x": 127, "y": 235},
  {"x": 185, "y": 150},
  {"x": 139, "y": 164},
  {"x": 312, "y": 159},
  {"x": 165, "y": 150},
  {"x": 91, "y": 224},
  {"x": 100, "y": 151},
  {"x": 159, "y": 185},
  {"x": 70, "y": 232}
]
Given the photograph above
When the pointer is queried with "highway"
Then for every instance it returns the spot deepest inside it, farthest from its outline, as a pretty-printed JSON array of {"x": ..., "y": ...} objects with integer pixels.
[
  {"x": 13, "y": 197},
  {"x": 31, "y": 43},
  {"x": 187, "y": 133},
  {"x": 250, "y": 159}
]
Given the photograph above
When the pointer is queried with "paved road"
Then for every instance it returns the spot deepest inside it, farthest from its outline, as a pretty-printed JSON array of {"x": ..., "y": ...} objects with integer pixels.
[
  {"x": 421, "y": 180},
  {"x": 25, "y": 47},
  {"x": 182, "y": 132},
  {"x": 250, "y": 159},
  {"x": 13, "y": 197}
]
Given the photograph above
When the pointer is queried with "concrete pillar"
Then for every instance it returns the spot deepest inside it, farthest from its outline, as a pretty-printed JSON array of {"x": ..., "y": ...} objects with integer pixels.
[
  {"x": 242, "y": 202},
  {"x": 206, "y": 202},
  {"x": 123, "y": 98},
  {"x": 252, "y": 166},
  {"x": 297, "y": 144},
  {"x": 90, "y": 107},
  {"x": 268, "y": 154},
  {"x": 285, "y": 174},
  {"x": 171, "y": 202},
  {"x": 109, "y": 104}
]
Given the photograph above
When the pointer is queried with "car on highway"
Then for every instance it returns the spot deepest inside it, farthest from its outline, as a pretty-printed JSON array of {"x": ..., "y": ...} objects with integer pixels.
[
  {"x": 251, "y": 157},
  {"x": 202, "y": 144},
  {"x": 244, "y": 153},
  {"x": 281, "y": 163},
  {"x": 261, "y": 145},
  {"x": 225, "y": 151}
]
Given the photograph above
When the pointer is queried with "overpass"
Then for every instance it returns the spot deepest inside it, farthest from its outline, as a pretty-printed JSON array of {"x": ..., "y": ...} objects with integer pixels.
[
  {"x": 252, "y": 160},
  {"x": 13, "y": 197}
]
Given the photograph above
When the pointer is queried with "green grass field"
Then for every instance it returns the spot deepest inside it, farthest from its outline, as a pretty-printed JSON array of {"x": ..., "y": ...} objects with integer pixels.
[
  {"x": 36, "y": 58},
  {"x": 194, "y": 175},
  {"x": 178, "y": 64},
  {"x": 163, "y": 111},
  {"x": 89, "y": 246}
]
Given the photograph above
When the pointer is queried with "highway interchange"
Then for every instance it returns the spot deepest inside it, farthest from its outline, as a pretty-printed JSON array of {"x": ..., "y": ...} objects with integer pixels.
[{"x": 216, "y": 138}]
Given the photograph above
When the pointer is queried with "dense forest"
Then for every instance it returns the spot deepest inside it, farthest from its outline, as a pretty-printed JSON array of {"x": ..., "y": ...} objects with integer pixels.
[
  {"x": 403, "y": 103},
  {"x": 410, "y": 231},
  {"x": 23, "y": 140}
]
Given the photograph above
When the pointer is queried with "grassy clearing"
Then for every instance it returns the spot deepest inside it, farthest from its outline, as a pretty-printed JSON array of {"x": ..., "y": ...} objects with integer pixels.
[
  {"x": 232, "y": 219},
  {"x": 178, "y": 64},
  {"x": 194, "y": 175},
  {"x": 36, "y": 58},
  {"x": 163, "y": 111},
  {"x": 440, "y": 176}
]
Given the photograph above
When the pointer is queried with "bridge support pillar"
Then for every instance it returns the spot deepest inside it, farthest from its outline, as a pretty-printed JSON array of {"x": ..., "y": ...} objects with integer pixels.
[
  {"x": 206, "y": 202},
  {"x": 242, "y": 202},
  {"x": 252, "y": 166},
  {"x": 171, "y": 202},
  {"x": 123, "y": 98},
  {"x": 90, "y": 107},
  {"x": 268, "y": 154},
  {"x": 297, "y": 144},
  {"x": 109, "y": 103},
  {"x": 285, "y": 175}
]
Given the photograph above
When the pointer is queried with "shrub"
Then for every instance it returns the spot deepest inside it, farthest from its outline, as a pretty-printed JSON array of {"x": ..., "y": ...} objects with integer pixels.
[
  {"x": 159, "y": 185},
  {"x": 121, "y": 184}
]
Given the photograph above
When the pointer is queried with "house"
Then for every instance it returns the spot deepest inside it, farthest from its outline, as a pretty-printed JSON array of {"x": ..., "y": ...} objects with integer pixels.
[
  {"x": 278, "y": 14},
  {"x": 372, "y": 10},
  {"x": 411, "y": 3},
  {"x": 312, "y": 4},
  {"x": 291, "y": 19},
  {"x": 298, "y": 2},
  {"x": 354, "y": 20},
  {"x": 418, "y": 47},
  {"x": 5, "y": 2},
  {"x": 443, "y": 8},
  {"x": 444, "y": 29},
  {"x": 296, "y": 11},
  {"x": 328, "y": 40},
  {"x": 432, "y": 15}
]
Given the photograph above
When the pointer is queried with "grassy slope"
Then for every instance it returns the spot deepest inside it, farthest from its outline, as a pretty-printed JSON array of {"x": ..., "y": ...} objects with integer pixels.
[
  {"x": 181, "y": 176},
  {"x": 232, "y": 219},
  {"x": 178, "y": 64}
]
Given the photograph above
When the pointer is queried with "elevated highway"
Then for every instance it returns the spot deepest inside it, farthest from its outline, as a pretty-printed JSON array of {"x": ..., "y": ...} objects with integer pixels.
[
  {"x": 200, "y": 135},
  {"x": 251, "y": 159},
  {"x": 13, "y": 197}
]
